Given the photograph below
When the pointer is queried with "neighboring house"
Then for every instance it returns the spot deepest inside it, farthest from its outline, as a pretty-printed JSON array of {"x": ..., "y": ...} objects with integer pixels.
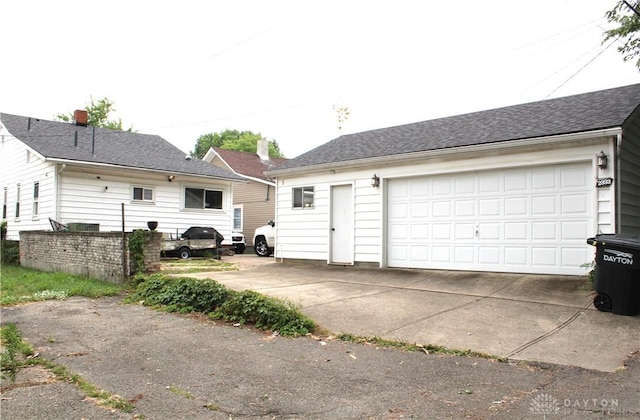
[
  {"x": 254, "y": 202},
  {"x": 73, "y": 173},
  {"x": 514, "y": 189}
]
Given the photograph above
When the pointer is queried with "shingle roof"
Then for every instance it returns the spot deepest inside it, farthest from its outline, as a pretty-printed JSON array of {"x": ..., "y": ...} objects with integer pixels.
[
  {"x": 57, "y": 140},
  {"x": 248, "y": 164},
  {"x": 572, "y": 114}
]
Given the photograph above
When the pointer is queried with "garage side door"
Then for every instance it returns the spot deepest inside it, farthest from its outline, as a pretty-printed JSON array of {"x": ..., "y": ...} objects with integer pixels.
[{"x": 532, "y": 220}]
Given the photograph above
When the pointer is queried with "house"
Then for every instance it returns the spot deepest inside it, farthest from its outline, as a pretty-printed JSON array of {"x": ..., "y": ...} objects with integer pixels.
[
  {"x": 253, "y": 202},
  {"x": 103, "y": 179},
  {"x": 514, "y": 189}
]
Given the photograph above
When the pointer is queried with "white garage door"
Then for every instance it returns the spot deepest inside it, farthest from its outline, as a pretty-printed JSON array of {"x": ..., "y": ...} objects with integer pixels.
[{"x": 530, "y": 220}]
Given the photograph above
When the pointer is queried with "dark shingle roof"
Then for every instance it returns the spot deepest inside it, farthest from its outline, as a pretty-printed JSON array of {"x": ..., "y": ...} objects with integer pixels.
[
  {"x": 248, "y": 164},
  {"x": 589, "y": 111},
  {"x": 57, "y": 140}
]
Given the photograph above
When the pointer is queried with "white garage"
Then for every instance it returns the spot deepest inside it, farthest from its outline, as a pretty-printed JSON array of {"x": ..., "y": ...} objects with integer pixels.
[
  {"x": 530, "y": 220},
  {"x": 514, "y": 189}
]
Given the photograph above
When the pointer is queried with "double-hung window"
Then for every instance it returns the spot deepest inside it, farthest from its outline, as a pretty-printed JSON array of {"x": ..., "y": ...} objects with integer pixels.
[
  {"x": 303, "y": 197},
  {"x": 4, "y": 204},
  {"x": 36, "y": 198},
  {"x": 201, "y": 198},
  {"x": 18, "y": 201}
]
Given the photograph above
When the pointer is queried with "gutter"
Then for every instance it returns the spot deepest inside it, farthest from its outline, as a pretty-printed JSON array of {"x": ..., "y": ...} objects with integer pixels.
[
  {"x": 431, "y": 154},
  {"x": 160, "y": 171}
]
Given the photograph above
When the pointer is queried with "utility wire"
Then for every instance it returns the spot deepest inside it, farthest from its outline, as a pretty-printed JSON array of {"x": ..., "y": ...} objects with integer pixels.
[{"x": 581, "y": 68}]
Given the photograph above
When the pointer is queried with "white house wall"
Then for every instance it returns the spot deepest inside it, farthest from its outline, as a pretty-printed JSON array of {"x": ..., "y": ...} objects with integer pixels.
[
  {"x": 20, "y": 166},
  {"x": 304, "y": 233},
  {"x": 86, "y": 199}
]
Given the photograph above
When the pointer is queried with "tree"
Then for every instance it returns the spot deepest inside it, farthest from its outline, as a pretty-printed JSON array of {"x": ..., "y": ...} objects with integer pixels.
[
  {"x": 627, "y": 17},
  {"x": 244, "y": 141},
  {"x": 97, "y": 115}
]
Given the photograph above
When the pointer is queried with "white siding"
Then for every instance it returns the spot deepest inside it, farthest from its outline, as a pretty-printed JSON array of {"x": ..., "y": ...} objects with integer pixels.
[
  {"x": 86, "y": 199},
  {"x": 16, "y": 168}
]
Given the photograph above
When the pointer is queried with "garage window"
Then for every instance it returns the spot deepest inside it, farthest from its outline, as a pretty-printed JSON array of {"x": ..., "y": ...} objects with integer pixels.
[
  {"x": 303, "y": 197},
  {"x": 200, "y": 198}
]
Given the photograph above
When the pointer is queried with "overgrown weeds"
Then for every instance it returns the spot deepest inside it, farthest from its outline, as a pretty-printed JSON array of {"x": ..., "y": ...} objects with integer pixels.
[
  {"x": 265, "y": 313},
  {"x": 180, "y": 294},
  {"x": 14, "y": 351},
  {"x": 187, "y": 295}
]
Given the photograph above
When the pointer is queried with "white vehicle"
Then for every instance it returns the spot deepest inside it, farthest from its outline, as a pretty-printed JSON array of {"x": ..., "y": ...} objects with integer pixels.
[{"x": 264, "y": 239}]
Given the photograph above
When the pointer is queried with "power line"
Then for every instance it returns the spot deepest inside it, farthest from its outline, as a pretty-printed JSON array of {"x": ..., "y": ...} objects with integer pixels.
[{"x": 581, "y": 68}]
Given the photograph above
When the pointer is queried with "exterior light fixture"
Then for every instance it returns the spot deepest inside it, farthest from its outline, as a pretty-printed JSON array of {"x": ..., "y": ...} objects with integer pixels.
[
  {"x": 602, "y": 160},
  {"x": 170, "y": 178},
  {"x": 375, "y": 181}
]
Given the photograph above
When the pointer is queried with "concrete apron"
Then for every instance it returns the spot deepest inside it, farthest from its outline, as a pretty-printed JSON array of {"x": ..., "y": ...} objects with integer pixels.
[{"x": 519, "y": 316}]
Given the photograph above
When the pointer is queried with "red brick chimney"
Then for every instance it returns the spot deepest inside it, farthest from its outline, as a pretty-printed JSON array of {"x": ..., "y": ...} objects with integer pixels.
[{"x": 80, "y": 117}]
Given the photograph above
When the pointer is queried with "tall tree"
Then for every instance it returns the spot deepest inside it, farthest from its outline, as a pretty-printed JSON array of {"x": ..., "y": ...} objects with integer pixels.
[
  {"x": 244, "y": 141},
  {"x": 627, "y": 18},
  {"x": 97, "y": 115}
]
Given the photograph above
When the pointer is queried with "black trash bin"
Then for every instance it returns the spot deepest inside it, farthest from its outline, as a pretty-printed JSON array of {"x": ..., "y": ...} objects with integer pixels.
[{"x": 617, "y": 280}]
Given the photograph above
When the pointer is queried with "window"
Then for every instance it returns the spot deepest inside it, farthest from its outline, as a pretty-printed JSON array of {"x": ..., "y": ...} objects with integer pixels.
[
  {"x": 143, "y": 194},
  {"x": 200, "y": 198},
  {"x": 4, "y": 204},
  {"x": 36, "y": 197},
  {"x": 303, "y": 197},
  {"x": 237, "y": 218},
  {"x": 18, "y": 201}
]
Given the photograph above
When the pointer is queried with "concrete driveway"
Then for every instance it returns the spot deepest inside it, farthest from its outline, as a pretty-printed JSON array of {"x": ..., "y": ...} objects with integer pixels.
[{"x": 519, "y": 316}]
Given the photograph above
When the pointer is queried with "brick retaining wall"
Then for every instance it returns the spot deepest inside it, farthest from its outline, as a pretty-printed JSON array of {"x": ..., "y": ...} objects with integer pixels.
[{"x": 91, "y": 254}]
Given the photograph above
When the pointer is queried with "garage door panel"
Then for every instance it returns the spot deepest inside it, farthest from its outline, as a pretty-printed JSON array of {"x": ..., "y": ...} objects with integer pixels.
[
  {"x": 515, "y": 231},
  {"x": 574, "y": 230},
  {"x": 489, "y": 207},
  {"x": 515, "y": 206},
  {"x": 489, "y": 255},
  {"x": 574, "y": 204},
  {"x": 464, "y": 208},
  {"x": 526, "y": 220},
  {"x": 543, "y": 205},
  {"x": 544, "y": 231},
  {"x": 544, "y": 256}
]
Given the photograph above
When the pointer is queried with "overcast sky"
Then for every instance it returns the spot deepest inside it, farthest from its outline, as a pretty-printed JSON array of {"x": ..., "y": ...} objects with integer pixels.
[{"x": 280, "y": 68}]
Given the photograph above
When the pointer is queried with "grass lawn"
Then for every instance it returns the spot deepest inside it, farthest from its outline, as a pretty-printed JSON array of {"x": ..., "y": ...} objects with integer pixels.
[{"x": 19, "y": 284}]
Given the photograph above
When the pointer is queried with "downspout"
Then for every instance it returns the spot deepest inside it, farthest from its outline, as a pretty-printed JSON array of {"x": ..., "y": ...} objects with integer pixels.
[{"x": 618, "y": 172}]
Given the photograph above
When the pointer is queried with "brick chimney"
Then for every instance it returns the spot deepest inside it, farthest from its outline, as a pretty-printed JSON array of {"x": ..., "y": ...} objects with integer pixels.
[
  {"x": 80, "y": 117},
  {"x": 263, "y": 149}
]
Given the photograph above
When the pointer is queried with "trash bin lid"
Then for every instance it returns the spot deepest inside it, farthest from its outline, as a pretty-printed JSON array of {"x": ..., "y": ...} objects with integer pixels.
[{"x": 616, "y": 239}]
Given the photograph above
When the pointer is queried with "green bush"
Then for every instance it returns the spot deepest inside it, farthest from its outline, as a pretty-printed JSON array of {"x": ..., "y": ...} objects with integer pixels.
[
  {"x": 10, "y": 251},
  {"x": 265, "y": 313},
  {"x": 180, "y": 294}
]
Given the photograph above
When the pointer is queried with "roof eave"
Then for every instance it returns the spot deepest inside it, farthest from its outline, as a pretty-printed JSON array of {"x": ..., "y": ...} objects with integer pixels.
[
  {"x": 149, "y": 170},
  {"x": 477, "y": 148}
]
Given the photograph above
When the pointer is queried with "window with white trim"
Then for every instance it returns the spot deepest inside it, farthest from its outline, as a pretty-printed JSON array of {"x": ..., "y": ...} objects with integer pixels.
[
  {"x": 36, "y": 198},
  {"x": 303, "y": 197},
  {"x": 17, "y": 201},
  {"x": 237, "y": 217},
  {"x": 142, "y": 194},
  {"x": 201, "y": 198}
]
